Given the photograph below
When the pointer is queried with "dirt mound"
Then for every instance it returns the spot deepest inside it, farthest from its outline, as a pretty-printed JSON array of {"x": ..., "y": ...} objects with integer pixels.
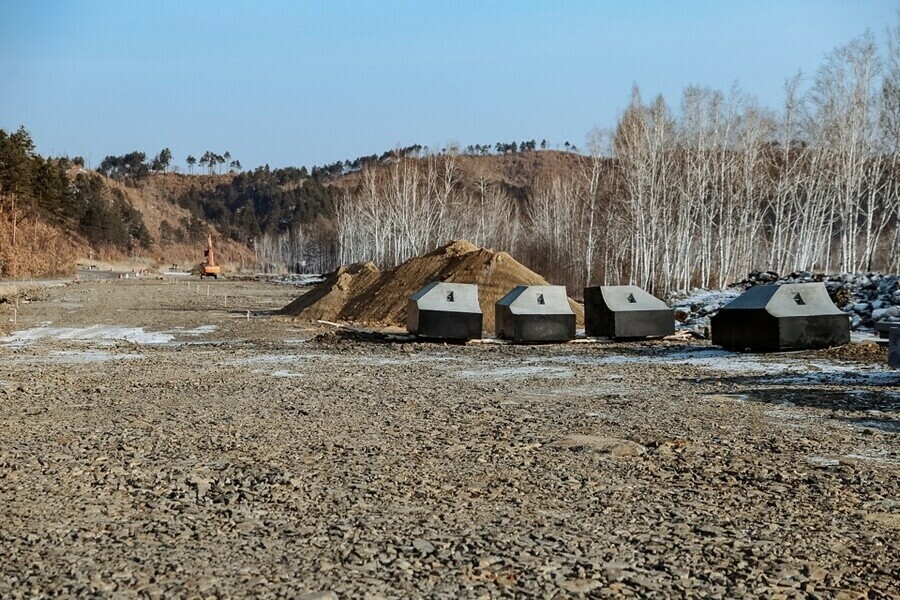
[
  {"x": 362, "y": 294},
  {"x": 329, "y": 299}
]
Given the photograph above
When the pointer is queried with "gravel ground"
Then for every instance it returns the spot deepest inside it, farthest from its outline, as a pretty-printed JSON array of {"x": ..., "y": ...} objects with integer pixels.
[{"x": 156, "y": 443}]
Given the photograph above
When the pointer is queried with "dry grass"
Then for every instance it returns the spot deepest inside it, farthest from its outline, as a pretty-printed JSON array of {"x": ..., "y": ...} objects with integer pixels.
[{"x": 40, "y": 250}]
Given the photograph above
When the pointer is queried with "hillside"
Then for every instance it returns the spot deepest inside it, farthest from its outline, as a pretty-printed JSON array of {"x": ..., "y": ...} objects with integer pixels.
[
  {"x": 63, "y": 214},
  {"x": 255, "y": 217},
  {"x": 515, "y": 171},
  {"x": 177, "y": 236},
  {"x": 298, "y": 221}
]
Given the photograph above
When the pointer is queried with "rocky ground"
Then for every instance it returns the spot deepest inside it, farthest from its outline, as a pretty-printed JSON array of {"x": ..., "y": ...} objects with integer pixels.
[{"x": 155, "y": 442}]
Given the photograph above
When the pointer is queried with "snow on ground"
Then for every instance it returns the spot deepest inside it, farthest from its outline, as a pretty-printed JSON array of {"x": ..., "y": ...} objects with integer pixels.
[
  {"x": 74, "y": 357},
  {"x": 780, "y": 366},
  {"x": 305, "y": 279},
  {"x": 277, "y": 359},
  {"x": 703, "y": 297},
  {"x": 514, "y": 372},
  {"x": 105, "y": 334},
  {"x": 283, "y": 374},
  {"x": 710, "y": 358},
  {"x": 201, "y": 330}
]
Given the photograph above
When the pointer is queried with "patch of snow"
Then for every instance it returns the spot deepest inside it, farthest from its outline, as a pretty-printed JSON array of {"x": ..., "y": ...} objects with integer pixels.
[
  {"x": 821, "y": 461},
  {"x": 736, "y": 362},
  {"x": 511, "y": 372},
  {"x": 201, "y": 330},
  {"x": 719, "y": 360},
  {"x": 703, "y": 297},
  {"x": 306, "y": 279},
  {"x": 843, "y": 375},
  {"x": 857, "y": 337},
  {"x": 275, "y": 359},
  {"x": 284, "y": 374},
  {"x": 874, "y": 455},
  {"x": 89, "y": 356},
  {"x": 102, "y": 333},
  {"x": 732, "y": 397},
  {"x": 75, "y": 357}
]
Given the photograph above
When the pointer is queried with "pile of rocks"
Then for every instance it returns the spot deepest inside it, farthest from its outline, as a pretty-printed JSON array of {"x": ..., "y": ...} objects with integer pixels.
[
  {"x": 694, "y": 308},
  {"x": 867, "y": 297}
]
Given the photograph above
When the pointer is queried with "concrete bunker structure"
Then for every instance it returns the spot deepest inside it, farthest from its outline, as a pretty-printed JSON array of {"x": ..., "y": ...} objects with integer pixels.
[
  {"x": 626, "y": 311},
  {"x": 791, "y": 316},
  {"x": 447, "y": 311},
  {"x": 535, "y": 313}
]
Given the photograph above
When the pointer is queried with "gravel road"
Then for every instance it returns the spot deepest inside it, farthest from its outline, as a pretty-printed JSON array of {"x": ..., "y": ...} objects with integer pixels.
[{"x": 156, "y": 443}]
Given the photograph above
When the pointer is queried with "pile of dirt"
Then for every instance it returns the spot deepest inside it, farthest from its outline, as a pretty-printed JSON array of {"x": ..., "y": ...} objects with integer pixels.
[
  {"x": 363, "y": 294},
  {"x": 328, "y": 300}
]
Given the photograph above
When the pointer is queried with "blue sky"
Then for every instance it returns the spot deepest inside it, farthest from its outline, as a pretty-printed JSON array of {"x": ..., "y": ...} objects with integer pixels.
[{"x": 294, "y": 83}]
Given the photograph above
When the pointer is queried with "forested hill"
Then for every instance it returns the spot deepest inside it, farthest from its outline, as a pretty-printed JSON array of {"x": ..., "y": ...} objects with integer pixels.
[
  {"x": 55, "y": 210},
  {"x": 254, "y": 204},
  {"x": 52, "y": 210},
  {"x": 291, "y": 218}
]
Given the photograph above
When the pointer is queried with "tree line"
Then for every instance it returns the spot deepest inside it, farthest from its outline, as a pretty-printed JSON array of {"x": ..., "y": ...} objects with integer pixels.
[
  {"x": 270, "y": 210},
  {"x": 213, "y": 162},
  {"x": 35, "y": 187},
  {"x": 345, "y": 167},
  {"x": 671, "y": 199},
  {"x": 666, "y": 199},
  {"x": 134, "y": 166}
]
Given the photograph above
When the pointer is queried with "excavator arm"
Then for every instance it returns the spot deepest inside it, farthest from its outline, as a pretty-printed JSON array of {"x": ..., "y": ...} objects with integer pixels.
[{"x": 209, "y": 268}]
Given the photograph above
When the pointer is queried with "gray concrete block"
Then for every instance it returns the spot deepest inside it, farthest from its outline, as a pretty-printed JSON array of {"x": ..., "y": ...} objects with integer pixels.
[
  {"x": 448, "y": 311},
  {"x": 791, "y": 316},
  {"x": 535, "y": 313},
  {"x": 894, "y": 348},
  {"x": 626, "y": 311}
]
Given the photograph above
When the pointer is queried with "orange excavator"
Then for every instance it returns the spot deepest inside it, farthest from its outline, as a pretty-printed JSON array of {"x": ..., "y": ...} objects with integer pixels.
[{"x": 209, "y": 268}]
